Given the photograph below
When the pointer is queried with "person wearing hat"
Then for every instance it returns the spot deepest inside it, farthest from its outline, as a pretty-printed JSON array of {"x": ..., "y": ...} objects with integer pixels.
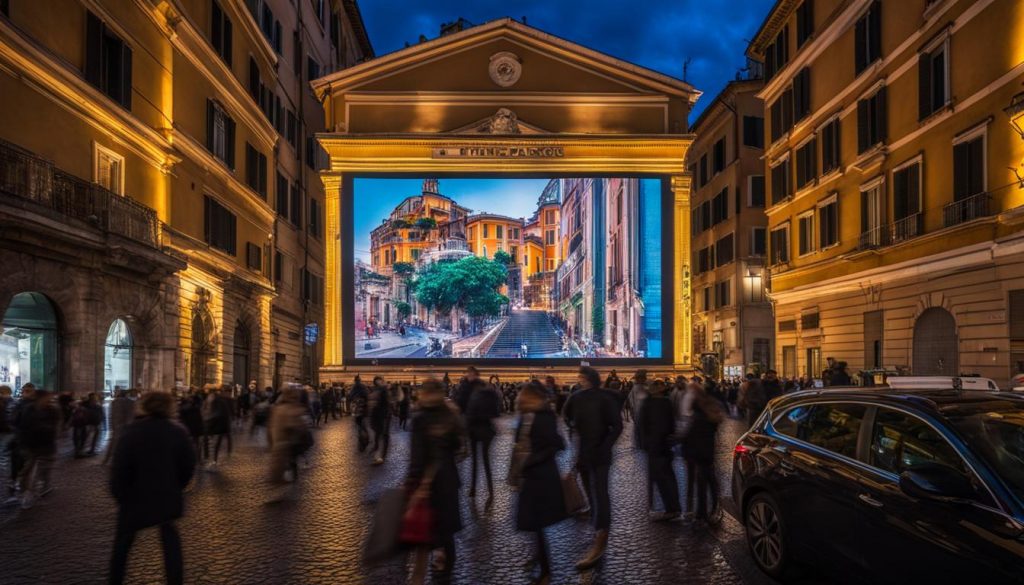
[{"x": 153, "y": 463}]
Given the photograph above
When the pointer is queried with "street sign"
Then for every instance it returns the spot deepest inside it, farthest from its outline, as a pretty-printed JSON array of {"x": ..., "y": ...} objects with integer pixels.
[{"x": 312, "y": 333}]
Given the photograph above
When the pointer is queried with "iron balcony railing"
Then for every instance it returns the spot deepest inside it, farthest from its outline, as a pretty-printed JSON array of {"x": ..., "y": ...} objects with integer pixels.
[
  {"x": 31, "y": 177},
  {"x": 888, "y": 234},
  {"x": 966, "y": 210}
]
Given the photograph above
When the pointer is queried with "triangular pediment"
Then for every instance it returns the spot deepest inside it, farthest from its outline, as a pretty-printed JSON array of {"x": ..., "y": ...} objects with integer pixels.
[{"x": 535, "y": 61}]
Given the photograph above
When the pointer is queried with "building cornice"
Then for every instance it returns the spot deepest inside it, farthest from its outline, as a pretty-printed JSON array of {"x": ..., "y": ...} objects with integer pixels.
[
  {"x": 257, "y": 210},
  {"x": 192, "y": 45},
  {"x": 58, "y": 81}
]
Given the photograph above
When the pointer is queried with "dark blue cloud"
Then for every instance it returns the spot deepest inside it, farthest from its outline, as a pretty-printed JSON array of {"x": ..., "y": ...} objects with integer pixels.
[{"x": 658, "y": 34}]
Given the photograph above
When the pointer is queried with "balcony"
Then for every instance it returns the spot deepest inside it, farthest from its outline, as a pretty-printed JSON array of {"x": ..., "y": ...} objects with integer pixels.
[
  {"x": 966, "y": 210},
  {"x": 30, "y": 177},
  {"x": 898, "y": 231}
]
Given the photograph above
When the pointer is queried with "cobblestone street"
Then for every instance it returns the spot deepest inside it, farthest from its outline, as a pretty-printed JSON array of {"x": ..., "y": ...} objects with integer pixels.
[{"x": 232, "y": 536}]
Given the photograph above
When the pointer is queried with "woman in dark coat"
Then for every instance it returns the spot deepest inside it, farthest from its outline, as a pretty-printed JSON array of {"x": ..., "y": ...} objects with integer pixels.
[
  {"x": 540, "y": 501},
  {"x": 436, "y": 439},
  {"x": 153, "y": 462}
]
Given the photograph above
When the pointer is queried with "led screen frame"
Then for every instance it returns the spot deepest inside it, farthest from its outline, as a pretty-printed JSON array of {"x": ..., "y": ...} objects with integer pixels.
[{"x": 347, "y": 258}]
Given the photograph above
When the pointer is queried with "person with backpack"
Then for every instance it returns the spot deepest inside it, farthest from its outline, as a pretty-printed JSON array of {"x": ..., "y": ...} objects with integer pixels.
[
  {"x": 485, "y": 405},
  {"x": 153, "y": 463},
  {"x": 38, "y": 423}
]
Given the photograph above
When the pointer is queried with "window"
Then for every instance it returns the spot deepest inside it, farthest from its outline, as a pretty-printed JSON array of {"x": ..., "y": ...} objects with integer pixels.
[
  {"x": 723, "y": 292},
  {"x": 868, "y": 38},
  {"x": 757, "y": 241},
  {"x": 834, "y": 427},
  {"x": 724, "y": 250},
  {"x": 220, "y": 33},
  {"x": 805, "y": 243},
  {"x": 703, "y": 260},
  {"x": 499, "y": 232},
  {"x": 828, "y": 222},
  {"x": 5, "y": 7},
  {"x": 900, "y": 441},
  {"x": 549, "y": 217},
  {"x": 969, "y": 167},
  {"x": 933, "y": 78},
  {"x": 312, "y": 68},
  {"x": 871, "y": 120},
  {"x": 704, "y": 170},
  {"x": 718, "y": 157},
  {"x": 720, "y": 207},
  {"x": 281, "y": 192},
  {"x": 780, "y": 245},
  {"x": 253, "y": 256},
  {"x": 810, "y": 321},
  {"x": 218, "y": 225},
  {"x": 256, "y": 170},
  {"x": 873, "y": 333},
  {"x": 762, "y": 352},
  {"x": 776, "y": 55},
  {"x": 279, "y": 268},
  {"x": 806, "y": 163},
  {"x": 804, "y": 22},
  {"x": 789, "y": 361},
  {"x": 220, "y": 133},
  {"x": 291, "y": 129},
  {"x": 830, "y": 141},
  {"x": 549, "y": 238},
  {"x": 705, "y": 215},
  {"x": 755, "y": 189},
  {"x": 707, "y": 306},
  {"x": 296, "y": 204},
  {"x": 486, "y": 231},
  {"x": 108, "y": 169},
  {"x": 906, "y": 191},
  {"x": 314, "y": 218},
  {"x": 781, "y": 187},
  {"x": 311, "y": 287},
  {"x": 514, "y": 233},
  {"x": 813, "y": 362},
  {"x": 802, "y": 94},
  {"x": 108, "y": 61},
  {"x": 753, "y": 131},
  {"x": 871, "y": 215},
  {"x": 255, "y": 84},
  {"x": 781, "y": 113}
]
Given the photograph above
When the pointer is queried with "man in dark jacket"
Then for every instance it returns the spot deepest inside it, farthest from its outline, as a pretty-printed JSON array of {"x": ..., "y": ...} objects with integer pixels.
[
  {"x": 380, "y": 419},
  {"x": 752, "y": 398},
  {"x": 484, "y": 406},
  {"x": 153, "y": 462},
  {"x": 358, "y": 400},
  {"x": 772, "y": 385},
  {"x": 594, "y": 414},
  {"x": 465, "y": 389},
  {"x": 657, "y": 419}
]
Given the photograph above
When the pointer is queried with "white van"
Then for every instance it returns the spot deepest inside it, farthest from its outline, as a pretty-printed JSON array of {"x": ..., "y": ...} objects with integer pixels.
[{"x": 941, "y": 383}]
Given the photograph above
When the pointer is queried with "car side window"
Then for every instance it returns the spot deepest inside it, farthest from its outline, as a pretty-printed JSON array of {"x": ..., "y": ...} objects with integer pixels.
[
  {"x": 901, "y": 441},
  {"x": 834, "y": 427}
]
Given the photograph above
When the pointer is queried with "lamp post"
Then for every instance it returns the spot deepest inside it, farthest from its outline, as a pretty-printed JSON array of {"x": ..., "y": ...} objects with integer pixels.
[{"x": 1015, "y": 111}]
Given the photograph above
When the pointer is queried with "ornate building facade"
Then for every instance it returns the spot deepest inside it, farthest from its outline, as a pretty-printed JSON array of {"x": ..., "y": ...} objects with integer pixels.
[
  {"x": 147, "y": 245},
  {"x": 894, "y": 194}
]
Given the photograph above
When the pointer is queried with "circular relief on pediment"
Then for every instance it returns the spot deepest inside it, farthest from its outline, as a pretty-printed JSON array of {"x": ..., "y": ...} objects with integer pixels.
[{"x": 505, "y": 68}]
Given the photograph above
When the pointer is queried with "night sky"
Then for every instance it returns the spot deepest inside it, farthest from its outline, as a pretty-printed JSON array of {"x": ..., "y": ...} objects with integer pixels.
[{"x": 657, "y": 34}]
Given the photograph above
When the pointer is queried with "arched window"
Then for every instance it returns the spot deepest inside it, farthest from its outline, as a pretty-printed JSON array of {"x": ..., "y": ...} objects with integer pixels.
[
  {"x": 28, "y": 342},
  {"x": 117, "y": 357},
  {"x": 935, "y": 344}
]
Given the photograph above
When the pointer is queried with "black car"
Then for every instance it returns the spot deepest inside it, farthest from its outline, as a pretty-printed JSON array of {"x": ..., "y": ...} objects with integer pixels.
[{"x": 921, "y": 487}]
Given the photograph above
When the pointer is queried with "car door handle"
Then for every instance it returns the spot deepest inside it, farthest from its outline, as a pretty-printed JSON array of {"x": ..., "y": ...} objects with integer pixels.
[{"x": 867, "y": 499}]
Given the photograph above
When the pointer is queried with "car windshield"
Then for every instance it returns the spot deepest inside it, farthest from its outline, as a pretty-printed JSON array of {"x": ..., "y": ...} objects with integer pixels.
[{"x": 995, "y": 433}]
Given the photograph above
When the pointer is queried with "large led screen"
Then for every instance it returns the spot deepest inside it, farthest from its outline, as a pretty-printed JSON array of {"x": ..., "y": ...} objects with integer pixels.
[{"x": 507, "y": 268}]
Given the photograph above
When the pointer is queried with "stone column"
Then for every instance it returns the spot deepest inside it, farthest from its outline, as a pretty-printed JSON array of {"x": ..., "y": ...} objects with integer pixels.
[
  {"x": 683, "y": 358},
  {"x": 334, "y": 281}
]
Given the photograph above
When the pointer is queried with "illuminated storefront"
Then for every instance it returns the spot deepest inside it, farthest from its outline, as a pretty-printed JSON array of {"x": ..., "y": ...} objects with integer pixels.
[{"x": 28, "y": 345}]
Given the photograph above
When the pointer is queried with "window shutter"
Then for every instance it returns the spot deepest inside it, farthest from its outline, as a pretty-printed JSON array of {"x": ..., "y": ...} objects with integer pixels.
[
  {"x": 216, "y": 28},
  {"x": 227, "y": 43},
  {"x": 976, "y": 166},
  {"x": 960, "y": 164},
  {"x": 263, "y": 176},
  {"x": 209, "y": 124},
  {"x": 914, "y": 190},
  {"x": 875, "y": 30},
  {"x": 862, "y": 125},
  {"x": 207, "y": 221},
  {"x": 93, "y": 48},
  {"x": 860, "y": 45},
  {"x": 126, "y": 76},
  {"x": 864, "y": 226},
  {"x": 881, "y": 115},
  {"x": 229, "y": 142},
  {"x": 924, "y": 85}
]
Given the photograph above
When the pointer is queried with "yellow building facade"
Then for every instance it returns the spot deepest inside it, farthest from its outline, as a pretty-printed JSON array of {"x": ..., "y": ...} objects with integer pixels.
[
  {"x": 172, "y": 116},
  {"x": 893, "y": 184}
]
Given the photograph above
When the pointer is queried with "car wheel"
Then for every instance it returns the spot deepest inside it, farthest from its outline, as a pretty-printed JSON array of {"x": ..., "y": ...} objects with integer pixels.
[{"x": 766, "y": 535}]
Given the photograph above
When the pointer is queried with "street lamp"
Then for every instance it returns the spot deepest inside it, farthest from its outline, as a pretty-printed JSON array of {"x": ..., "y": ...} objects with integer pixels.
[{"x": 1015, "y": 111}]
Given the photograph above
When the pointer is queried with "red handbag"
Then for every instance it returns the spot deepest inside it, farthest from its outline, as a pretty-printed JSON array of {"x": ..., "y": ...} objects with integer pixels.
[{"x": 418, "y": 520}]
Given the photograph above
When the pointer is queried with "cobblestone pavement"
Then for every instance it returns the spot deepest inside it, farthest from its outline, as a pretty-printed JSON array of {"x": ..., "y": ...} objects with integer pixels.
[{"x": 232, "y": 536}]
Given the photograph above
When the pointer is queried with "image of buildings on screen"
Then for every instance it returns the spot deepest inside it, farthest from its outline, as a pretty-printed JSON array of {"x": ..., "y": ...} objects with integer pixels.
[{"x": 579, "y": 275}]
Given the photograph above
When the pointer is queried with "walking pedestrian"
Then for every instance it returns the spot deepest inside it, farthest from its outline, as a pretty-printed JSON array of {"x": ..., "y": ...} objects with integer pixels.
[
  {"x": 699, "y": 446},
  {"x": 657, "y": 419},
  {"x": 466, "y": 387},
  {"x": 484, "y": 406},
  {"x": 153, "y": 463},
  {"x": 595, "y": 417},
  {"x": 38, "y": 423},
  {"x": 359, "y": 398},
  {"x": 752, "y": 399},
  {"x": 122, "y": 413},
  {"x": 436, "y": 438},
  {"x": 217, "y": 422},
  {"x": 637, "y": 395},
  {"x": 380, "y": 419},
  {"x": 540, "y": 501},
  {"x": 191, "y": 416},
  {"x": 404, "y": 403},
  {"x": 6, "y": 427},
  {"x": 289, "y": 437}
]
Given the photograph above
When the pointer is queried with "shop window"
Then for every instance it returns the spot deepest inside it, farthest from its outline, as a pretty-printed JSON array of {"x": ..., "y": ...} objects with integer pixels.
[
  {"x": 28, "y": 343},
  {"x": 117, "y": 358}
]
